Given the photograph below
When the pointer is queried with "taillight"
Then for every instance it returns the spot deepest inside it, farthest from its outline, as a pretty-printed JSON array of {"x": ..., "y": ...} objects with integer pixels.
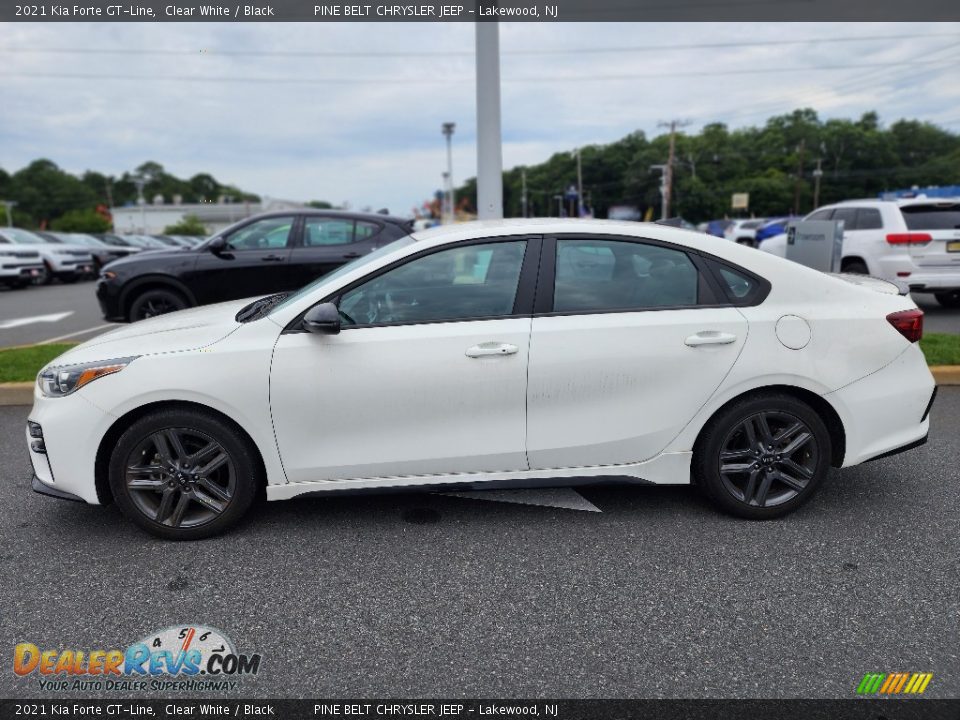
[
  {"x": 908, "y": 323},
  {"x": 909, "y": 238}
]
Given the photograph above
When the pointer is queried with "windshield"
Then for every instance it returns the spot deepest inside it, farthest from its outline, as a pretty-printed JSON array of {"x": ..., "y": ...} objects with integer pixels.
[
  {"x": 23, "y": 237},
  {"x": 344, "y": 269}
]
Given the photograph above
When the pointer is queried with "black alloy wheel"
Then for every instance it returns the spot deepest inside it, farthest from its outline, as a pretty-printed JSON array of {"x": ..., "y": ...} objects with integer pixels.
[
  {"x": 762, "y": 457},
  {"x": 184, "y": 474}
]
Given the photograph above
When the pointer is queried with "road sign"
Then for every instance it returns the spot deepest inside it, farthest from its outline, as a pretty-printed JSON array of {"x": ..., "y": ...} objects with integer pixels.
[{"x": 740, "y": 201}]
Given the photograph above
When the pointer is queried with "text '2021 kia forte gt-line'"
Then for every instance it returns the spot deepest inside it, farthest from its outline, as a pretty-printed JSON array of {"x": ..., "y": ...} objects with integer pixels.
[{"x": 550, "y": 352}]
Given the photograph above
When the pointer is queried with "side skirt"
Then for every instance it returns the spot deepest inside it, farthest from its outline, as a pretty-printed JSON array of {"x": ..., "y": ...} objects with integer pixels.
[{"x": 665, "y": 469}]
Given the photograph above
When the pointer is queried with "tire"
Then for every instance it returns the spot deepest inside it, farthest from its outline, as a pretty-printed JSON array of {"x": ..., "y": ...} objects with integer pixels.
[
  {"x": 69, "y": 279},
  {"x": 857, "y": 267},
  {"x": 48, "y": 274},
  {"x": 754, "y": 486},
  {"x": 156, "y": 301},
  {"x": 167, "y": 495},
  {"x": 948, "y": 299},
  {"x": 747, "y": 241}
]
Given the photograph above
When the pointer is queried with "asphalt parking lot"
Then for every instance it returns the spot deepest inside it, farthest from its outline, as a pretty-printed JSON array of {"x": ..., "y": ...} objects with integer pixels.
[
  {"x": 70, "y": 313},
  {"x": 430, "y": 595}
]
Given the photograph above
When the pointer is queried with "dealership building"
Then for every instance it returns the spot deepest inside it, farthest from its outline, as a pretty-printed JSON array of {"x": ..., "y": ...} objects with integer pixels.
[{"x": 152, "y": 219}]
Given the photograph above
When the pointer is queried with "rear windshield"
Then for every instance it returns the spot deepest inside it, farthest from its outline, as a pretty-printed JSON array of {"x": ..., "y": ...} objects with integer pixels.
[{"x": 932, "y": 217}]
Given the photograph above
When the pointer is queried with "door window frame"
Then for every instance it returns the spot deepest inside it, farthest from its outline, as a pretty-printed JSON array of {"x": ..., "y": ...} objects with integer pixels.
[
  {"x": 711, "y": 290},
  {"x": 302, "y": 234},
  {"x": 523, "y": 301},
  {"x": 293, "y": 237}
]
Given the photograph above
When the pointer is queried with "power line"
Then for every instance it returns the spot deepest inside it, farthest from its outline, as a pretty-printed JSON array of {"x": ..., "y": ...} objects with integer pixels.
[
  {"x": 465, "y": 53},
  {"x": 452, "y": 79}
]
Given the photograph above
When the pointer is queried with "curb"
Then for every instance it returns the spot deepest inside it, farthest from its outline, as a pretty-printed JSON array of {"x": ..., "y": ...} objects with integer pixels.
[
  {"x": 16, "y": 393},
  {"x": 22, "y": 393}
]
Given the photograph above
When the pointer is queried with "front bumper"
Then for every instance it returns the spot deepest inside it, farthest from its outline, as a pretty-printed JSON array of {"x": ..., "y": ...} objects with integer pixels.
[
  {"x": 40, "y": 487},
  {"x": 108, "y": 296},
  {"x": 64, "y": 462}
]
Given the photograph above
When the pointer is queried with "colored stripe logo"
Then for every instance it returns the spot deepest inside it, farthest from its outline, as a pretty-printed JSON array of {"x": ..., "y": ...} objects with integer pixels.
[{"x": 894, "y": 683}]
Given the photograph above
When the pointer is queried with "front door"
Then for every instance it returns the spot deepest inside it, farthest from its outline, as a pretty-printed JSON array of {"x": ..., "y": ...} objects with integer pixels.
[
  {"x": 253, "y": 262},
  {"x": 427, "y": 376},
  {"x": 625, "y": 353}
]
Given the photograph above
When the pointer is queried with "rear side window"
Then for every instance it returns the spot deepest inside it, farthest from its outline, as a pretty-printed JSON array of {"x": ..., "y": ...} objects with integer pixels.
[
  {"x": 849, "y": 217},
  {"x": 740, "y": 287},
  {"x": 602, "y": 275},
  {"x": 869, "y": 219},
  {"x": 932, "y": 217}
]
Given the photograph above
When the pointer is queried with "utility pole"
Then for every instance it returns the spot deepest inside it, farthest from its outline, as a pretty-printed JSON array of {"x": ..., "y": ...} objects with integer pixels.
[
  {"x": 663, "y": 189},
  {"x": 668, "y": 169},
  {"x": 796, "y": 187},
  {"x": 448, "y": 128},
  {"x": 489, "y": 143},
  {"x": 523, "y": 192},
  {"x": 817, "y": 174}
]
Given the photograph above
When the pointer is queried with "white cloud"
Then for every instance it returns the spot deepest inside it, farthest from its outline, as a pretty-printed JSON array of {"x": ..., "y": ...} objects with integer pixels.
[{"x": 372, "y": 137}]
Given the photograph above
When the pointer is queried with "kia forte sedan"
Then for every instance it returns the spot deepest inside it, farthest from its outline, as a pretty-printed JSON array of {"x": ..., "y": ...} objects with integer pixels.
[{"x": 546, "y": 352}]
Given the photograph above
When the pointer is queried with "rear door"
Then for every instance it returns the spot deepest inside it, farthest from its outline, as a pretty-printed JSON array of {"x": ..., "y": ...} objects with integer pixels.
[
  {"x": 329, "y": 242},
  {"x": 940, "y": 220},
  {"x": 628, "y": 342}
]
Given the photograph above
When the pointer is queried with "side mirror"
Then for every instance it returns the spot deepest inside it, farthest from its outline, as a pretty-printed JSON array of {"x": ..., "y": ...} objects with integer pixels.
[
  {"x": 323, "y": 319},
  {"x": 217, "y": 245}
]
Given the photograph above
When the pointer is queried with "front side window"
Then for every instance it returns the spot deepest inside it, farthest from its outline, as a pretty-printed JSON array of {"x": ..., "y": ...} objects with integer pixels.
[
  {"x": 601, "y": 275},
  {"x": 266, "y": 234},
  {"x": 821, "y": 214},
  {"x": 466, "y": 282}
]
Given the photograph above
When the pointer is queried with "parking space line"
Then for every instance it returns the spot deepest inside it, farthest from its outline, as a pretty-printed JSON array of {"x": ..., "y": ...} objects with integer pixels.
[{"x": 76, "y": 334}]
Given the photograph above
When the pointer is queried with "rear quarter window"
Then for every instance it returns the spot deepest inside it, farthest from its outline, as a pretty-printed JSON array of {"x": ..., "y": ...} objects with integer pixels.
[{"x": 932, "y": 217}]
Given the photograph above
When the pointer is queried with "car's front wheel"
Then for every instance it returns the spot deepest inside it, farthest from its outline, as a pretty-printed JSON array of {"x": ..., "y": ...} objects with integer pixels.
[
  {"x": 762, "y": 457},
  {"x": 184, "y": 474},
  {"x": 948, "y": 299},
  {"x": 156, "y": 301}
]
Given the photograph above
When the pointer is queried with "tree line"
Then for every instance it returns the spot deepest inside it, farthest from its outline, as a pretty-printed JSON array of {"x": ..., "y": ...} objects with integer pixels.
[
  {"x": 48, "y": 196},
  {"x": 775, "y": 163}
]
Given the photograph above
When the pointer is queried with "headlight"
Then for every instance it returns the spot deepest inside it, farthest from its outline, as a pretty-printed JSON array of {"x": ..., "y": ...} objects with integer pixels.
[
  {"x": 62, "y": 252},
  {"x": 65, "y": 379}
]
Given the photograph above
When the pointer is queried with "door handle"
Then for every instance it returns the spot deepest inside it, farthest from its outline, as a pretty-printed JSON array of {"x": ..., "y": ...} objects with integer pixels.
[
  {"x": 710, "y": 337},
  {"x": 272, "y": 258},
  {"x": 491, "y": 348}
]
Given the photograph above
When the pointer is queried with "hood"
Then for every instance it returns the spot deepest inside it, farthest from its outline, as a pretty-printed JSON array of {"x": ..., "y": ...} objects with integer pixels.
[
  {"x": 176, "y": 332},
  {"x": 134, "y": 256},
  {"x": 53, "y": 247}
]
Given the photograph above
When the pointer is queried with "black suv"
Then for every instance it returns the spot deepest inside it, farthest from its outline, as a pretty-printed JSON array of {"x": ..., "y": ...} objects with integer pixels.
[{"x": 265, "y": 254}]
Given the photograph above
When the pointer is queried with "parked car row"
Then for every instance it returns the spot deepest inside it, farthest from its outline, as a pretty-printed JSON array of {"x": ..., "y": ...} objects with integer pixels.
[
  {"x": 36, "y": 257},
  {"x": 913, "y": 241}
]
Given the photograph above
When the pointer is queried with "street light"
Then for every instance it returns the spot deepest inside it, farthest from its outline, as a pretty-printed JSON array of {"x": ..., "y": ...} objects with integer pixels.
[
  {"x": 142, "y": 202},
  {"x": 9, "y": 205},
  {"x": 448, "y": 128}
]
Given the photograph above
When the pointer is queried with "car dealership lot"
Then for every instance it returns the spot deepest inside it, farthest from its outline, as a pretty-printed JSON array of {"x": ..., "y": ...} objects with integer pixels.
[
  {"x": 37, "y": 304},
  {"x": 405, "y": 595}
]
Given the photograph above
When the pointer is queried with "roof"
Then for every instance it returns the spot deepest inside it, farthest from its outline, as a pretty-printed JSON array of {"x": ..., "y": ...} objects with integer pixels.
[{"x": 899, "y": 202}]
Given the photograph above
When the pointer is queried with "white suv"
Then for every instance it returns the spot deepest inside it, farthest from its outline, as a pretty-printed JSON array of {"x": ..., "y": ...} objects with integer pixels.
[
  {"x": 744, "y": 232},
  {"x": 18, "y": 266},
  {"x": 64, "y": 262},
  {"x": 913, "y": 241}
]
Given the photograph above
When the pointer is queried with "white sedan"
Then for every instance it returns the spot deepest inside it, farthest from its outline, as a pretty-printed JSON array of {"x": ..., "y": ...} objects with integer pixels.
[{"x": 551, "y": 352}]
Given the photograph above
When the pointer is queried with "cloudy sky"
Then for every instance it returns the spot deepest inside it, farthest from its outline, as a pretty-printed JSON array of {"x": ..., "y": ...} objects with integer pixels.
[{"x": 352, "y": 112}]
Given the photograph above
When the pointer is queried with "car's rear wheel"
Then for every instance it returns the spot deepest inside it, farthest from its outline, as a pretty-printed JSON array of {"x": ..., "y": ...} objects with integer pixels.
[
  {"x": 856, "y": 267},
  {"x": 156, "y": 301},
  {"x": 184, "y": 474},
  {"x": 762, "y": 457},
  {"x": 948, "y": 299}
]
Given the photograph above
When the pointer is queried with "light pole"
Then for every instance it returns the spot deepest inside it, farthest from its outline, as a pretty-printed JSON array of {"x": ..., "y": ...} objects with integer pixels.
[
  {"x": 142, "y": 202},
  {"x": 448, "y": 128},
  {"x": 817, "y": 174},
  {"x": 489, "y": 148},
  {"x": 9, "y": 205},
  {"x": 579, "y": 184},
  {"x": 664, "y": 171}
]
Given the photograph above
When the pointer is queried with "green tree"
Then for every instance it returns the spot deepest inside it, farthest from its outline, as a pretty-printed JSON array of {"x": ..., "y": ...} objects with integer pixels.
[
  {"x": 84, "y": 221},
  {"x": 190, "y": 225}
]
